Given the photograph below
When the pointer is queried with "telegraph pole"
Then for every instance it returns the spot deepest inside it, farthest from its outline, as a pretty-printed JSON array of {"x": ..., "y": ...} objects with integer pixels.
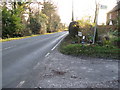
[
  {"x": 95, "y": 21},
  {"x": 72, "y": 12}
]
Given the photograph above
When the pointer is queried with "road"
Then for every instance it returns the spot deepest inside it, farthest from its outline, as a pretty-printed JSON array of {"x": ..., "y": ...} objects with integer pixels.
[{"x": 20, "y": 59}]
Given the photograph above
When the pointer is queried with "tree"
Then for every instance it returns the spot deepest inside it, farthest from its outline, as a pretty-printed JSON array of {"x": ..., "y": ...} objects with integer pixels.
[
  {"x": 86, "y": 26},
  {"x": 55, "y": 22},
  {"x": 15, "y": 25},
  {"x": 11, "y": 22},
  {"x": 38, "y": 24},
  {"x": 85, "y": 22},
  {"x": 0, "y": 20},
  {"x": 49, "y": 10}
]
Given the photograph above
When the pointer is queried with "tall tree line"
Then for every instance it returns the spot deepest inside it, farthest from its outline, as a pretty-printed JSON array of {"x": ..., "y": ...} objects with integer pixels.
[{"x": 15, "y": 24}]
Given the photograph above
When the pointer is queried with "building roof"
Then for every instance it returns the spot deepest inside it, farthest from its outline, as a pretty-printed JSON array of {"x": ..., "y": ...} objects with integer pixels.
[{"x": 116, "y": 8}]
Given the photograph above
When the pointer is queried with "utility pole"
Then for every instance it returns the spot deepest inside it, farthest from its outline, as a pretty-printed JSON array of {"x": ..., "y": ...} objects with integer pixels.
[
  {"x": 72, "y": 12},
  {"x": 95, "y": 21}
]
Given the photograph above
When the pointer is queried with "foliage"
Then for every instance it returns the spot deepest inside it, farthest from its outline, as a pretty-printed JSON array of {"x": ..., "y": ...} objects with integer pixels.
[
  {"x": 110, "y": 38},
  {"x": 53, "y": 23},
  {"x": 73, "y": 29},
  {"x": 114, "y": 38},
  {"x": 88, "y": 50},
  {"x": 35, "y": 25},
  {"x": 38, "y": 23},
  {"x": 11, "y": 23},
  {"x": 48, "y": 8},
  {"x": 85, "y": 22},
  {"x": 86, "y": 26},
  {"x": 15, "y": 25},
  {"x": 115, "y": 32},
  {"x": 118, "y": 26},
  {"x": 0, "y": 21}
]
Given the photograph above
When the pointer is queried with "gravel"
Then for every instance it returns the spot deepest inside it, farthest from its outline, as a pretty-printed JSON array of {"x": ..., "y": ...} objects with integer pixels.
[{"x": 63, "y": 71}]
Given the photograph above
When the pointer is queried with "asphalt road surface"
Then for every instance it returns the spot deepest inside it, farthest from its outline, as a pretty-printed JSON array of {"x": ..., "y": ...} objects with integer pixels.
[{"x": 21, "y": 57}]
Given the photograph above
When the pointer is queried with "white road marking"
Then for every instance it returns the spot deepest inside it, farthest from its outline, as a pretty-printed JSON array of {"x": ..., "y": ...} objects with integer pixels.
[
  {"x": 56, "y": 44},
  {"x": 20, "y": 84},
  {"x": 38, "y": 87},
  {"x": 47, "y": 54},
  {"x": 36, "y": 65},
  {"x": 9, "y": 47}
]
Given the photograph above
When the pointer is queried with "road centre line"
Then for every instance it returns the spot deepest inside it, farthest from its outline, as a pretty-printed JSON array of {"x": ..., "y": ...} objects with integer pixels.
[
  {"x": 9, "y": 47},
  {"x": 20, "y": 84}
]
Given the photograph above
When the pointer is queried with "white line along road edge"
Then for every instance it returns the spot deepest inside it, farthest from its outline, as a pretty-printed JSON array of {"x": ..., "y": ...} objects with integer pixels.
[
  {"x": 47, "y": 54},
  {"x": 58, "y": 42}
]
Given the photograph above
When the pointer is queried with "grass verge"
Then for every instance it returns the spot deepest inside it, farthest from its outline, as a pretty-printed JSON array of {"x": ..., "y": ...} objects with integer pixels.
[
  {"x": 10, "y": 39},
  {"x": 88, "y": 50}
]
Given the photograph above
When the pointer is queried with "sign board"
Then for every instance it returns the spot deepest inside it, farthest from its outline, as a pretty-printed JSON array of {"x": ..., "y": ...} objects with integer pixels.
[
  {"x": 79, "y": 33},
  {"x": 110, "y": 23},
  {"x": 83, "y": 37},
  {"x": 103, "y": 6}
]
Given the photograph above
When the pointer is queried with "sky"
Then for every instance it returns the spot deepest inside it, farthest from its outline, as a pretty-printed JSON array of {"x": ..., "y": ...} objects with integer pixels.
[{"x": 81, "y": 9}]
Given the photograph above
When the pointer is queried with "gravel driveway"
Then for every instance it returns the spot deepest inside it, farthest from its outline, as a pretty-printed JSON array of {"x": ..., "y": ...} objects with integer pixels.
[{"x": 64, "y": 71}]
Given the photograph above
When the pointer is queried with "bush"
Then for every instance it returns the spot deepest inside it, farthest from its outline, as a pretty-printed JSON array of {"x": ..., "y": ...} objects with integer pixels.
[
  {"x": 38, "y": 24},
  {"x": 11, "y": 23},
  {"x": 73, "y": 29},
  {"x": 91, "y": 50},
  {"x": 104, "y": 51},
  {"x": 116, "y": 41},
  {"x": 109, "y": 38}
]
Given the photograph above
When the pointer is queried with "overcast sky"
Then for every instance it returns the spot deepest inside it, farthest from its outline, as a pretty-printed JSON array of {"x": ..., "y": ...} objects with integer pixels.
[{"x": 82, "y": 8}]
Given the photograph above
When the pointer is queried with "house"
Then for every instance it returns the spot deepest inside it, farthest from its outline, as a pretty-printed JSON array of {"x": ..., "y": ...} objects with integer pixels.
[{"x": 112, "y": 16}]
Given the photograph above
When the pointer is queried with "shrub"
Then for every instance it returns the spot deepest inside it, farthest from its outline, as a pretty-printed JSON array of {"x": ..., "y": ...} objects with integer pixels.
[
  {"x": 73, "y": 29},
  {"x": 11, "y": 23}
]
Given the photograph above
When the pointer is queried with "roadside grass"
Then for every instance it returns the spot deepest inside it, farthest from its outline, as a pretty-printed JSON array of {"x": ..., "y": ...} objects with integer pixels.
[
  {"x": 10, "y": 39},
  {"x": 88, "y": 50}
]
